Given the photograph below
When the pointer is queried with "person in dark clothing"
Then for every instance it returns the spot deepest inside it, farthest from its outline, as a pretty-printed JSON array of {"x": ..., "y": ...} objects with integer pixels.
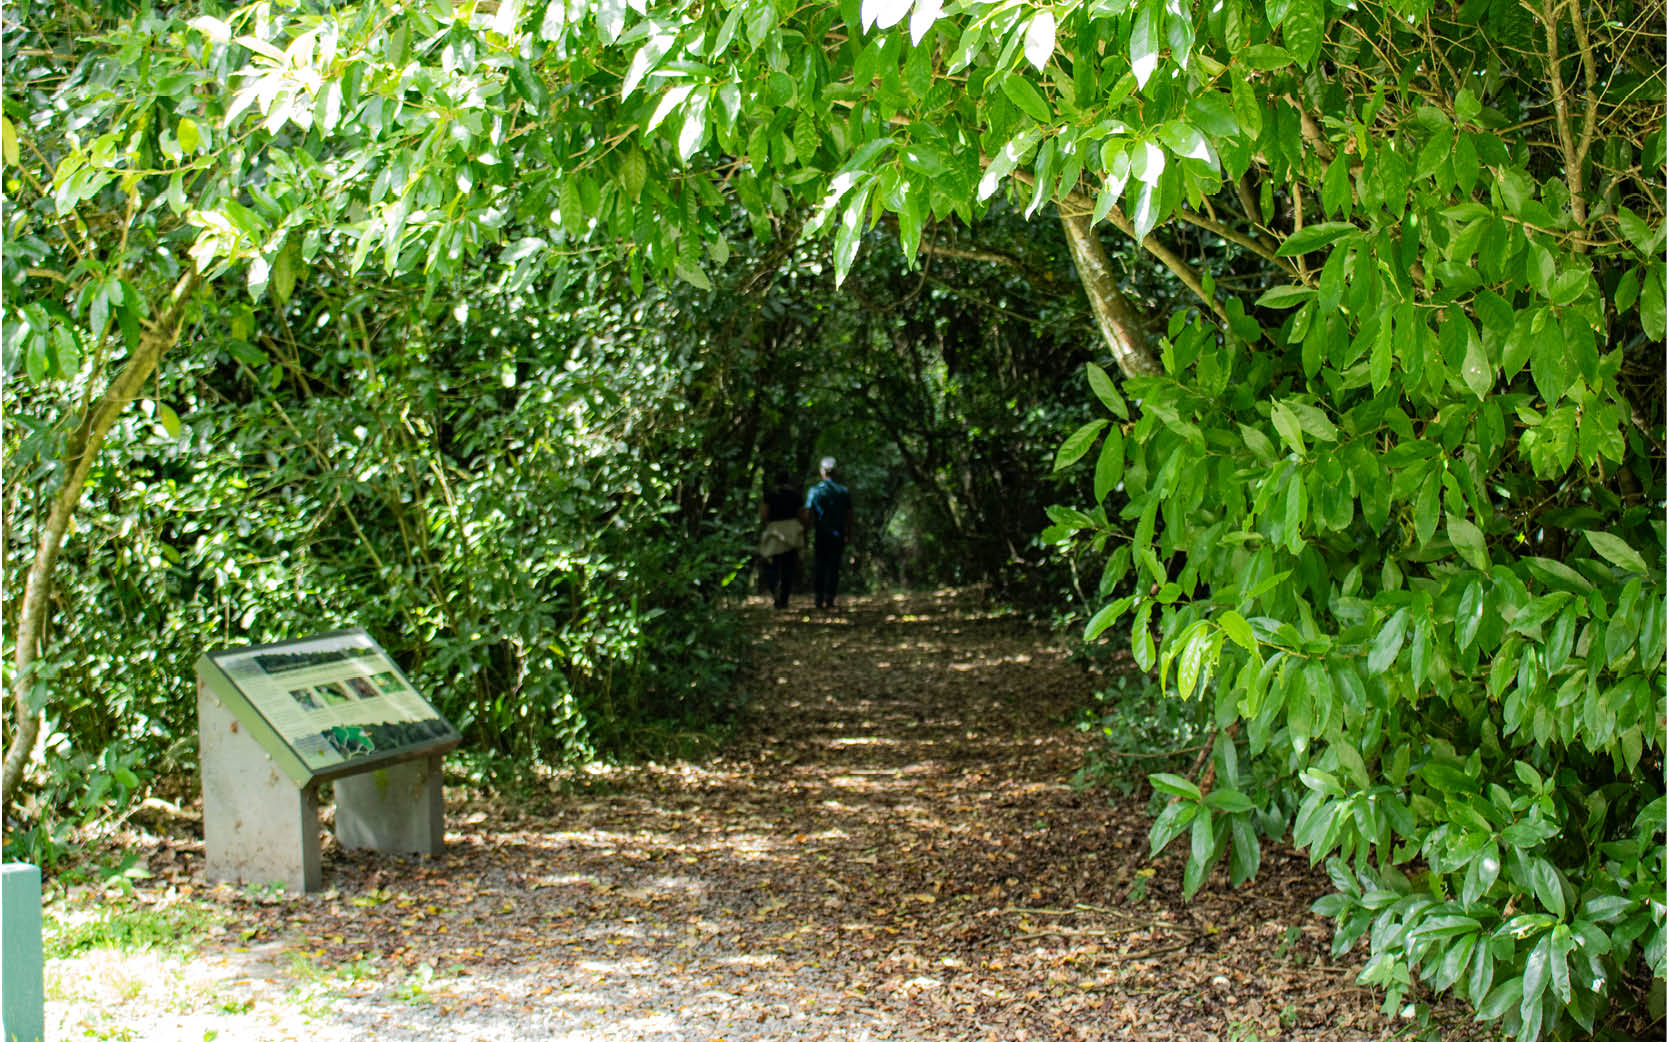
[
  {"x": 785, "y": 522},
  {"x": 829, "y": 504}
]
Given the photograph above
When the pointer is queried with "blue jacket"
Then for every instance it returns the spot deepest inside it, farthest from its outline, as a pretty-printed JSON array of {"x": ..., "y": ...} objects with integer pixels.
[{"x": 829, "y": 503}]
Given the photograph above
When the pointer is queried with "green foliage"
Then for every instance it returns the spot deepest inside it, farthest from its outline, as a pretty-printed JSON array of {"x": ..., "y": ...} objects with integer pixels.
[
  {"x": 1143, "y": 731},
  {"x": 1391, "y": 512},
  {"x": 510, "y": 530},
  {"x": 1396, "y": 526}
]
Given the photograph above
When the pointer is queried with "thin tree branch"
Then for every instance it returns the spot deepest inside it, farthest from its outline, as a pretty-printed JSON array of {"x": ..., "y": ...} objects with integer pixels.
[
  {"x": 79, "y": 453},
  {"x": 1078, "y": 204}
]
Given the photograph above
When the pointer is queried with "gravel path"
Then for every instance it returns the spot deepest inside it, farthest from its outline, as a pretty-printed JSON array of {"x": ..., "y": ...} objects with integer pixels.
[{"x": 888, "y": 853}]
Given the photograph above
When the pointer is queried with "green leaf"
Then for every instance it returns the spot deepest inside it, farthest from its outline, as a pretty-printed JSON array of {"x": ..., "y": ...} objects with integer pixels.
[
  {"x": 282, "y": 283},
  {"x": 528, "y": 84},
  {"x": 883, "y": 14},
  {"x": 1108, "y": 471},
  {"x": 213, "y": 28},
  {"x": 1187, "y": 142},
  {"x": 1146, "y": 162},
  {"x": 1006, "y": 160},
  {"x": 1316, "y": 236},
  {"x": 691, "y": 273},
  {"x": 693, "y": 131},
  {"x": 848, "y": 237},
  {"x": 1145, "y": 652},
  {"x": 1021, "y": 92},
  {"x": 1145, "y": 215},
  {"x": 1468, "y": 616},
  {"x": 1258, "y": 443},
  {"x": 1426, "y": 510},
  {"x": 1547, "y": 883},
  {"x": 1285, "y": 296},
  {"x": 1116, "y": 179},
  {"x": 1265, "y": 57},
  {"x": 1229, "y": 801},
  {"x": 1304, "y": 28},
  {"x": 1193, "y": 664},
  {"x": 1507, "y": 996},
  {"x": 1171, "y": 823},
  {"x": 328, "y": 111},
  {"x": 168, "y": 418},
  {"x": 1534, "y": 972},
  {"x": 1039, "y": 39},
  {"x": 1468, "y": 541},
  {"x": 1645, "y": 240},
  {"x": 610, "y": 18},
  {"x": 571, "y": 206},
  {"x": 1238, "y": 630},
  {"x": 1246, "y": 857},
  {"x": 1105, "y": 617},
  {"x": 1314, "y": 422},
  {"x": 1143, "y": 44},
  {"x": 1387, "y": 644},
  {"x": 1477, "y": 372},
  {"x": 247, "y": 353},
  {"x": 1652, "y": 304},
  {"x": 555, "y": 20},
  {"x": 1565, "y": 290},
  {"x": 926, "y": 14},
  {"x": 1617, "y": 551},
  {"x": 1077, "y": 445},
  {"x": 1289, "y": 427},
  {"x": 633, "y": 173},
  {"x": 1175, "y": 785},
  {"x": 1382, "y": 362},
  {"x": 1247, "y": 105},
  {"x": 1106, "y": 391},
  {"x": 670, "y": 101},
  {"x": 1198, "y": 863}
]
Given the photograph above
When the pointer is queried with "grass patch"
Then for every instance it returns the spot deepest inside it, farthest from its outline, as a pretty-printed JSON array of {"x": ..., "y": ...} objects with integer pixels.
[{"x": 88, "y": 922}]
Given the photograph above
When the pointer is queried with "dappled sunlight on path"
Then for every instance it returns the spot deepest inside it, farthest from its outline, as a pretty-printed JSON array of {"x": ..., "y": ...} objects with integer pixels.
[{"x": 889, "y": 850}]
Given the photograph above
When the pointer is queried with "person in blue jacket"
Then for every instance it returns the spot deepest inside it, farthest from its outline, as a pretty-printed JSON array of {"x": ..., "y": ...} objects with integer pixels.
[{"x": 829, "y": 504}]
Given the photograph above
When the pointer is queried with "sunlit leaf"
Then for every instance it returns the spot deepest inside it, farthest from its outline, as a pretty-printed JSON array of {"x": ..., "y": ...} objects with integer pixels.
[{"x": 1039, "y": 39}]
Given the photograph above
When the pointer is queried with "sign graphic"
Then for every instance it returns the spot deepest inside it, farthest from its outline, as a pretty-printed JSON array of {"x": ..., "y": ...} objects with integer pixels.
[{"x": 327, "y": 706}]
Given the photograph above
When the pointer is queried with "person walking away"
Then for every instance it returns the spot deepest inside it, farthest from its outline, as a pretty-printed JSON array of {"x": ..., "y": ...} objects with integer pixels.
[
  {"x": 829, "y": 504},
  {"x": 785, "y": 522}
]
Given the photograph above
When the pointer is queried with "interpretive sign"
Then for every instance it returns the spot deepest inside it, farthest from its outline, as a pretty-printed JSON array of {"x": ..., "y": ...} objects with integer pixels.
[
  {"x": 279, "y": 719},
  {"x": 330, "y": 705}
]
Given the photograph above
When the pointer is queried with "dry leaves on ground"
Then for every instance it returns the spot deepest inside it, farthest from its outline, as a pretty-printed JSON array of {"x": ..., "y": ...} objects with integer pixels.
[{"x": 890, "y": 851}]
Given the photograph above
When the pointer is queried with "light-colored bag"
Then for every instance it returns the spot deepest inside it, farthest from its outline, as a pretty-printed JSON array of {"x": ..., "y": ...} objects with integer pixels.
[{"x": 780, "y": 537}]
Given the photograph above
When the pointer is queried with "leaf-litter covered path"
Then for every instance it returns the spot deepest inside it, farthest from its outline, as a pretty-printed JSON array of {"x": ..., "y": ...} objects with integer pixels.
[{"x": 889, "y": 851}]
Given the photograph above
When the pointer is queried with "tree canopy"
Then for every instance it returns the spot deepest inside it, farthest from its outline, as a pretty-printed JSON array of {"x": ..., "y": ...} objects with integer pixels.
[{"x": 1377, "y": 479}]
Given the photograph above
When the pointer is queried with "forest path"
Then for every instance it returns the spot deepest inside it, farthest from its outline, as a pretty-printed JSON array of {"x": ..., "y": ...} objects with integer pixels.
[{"x": 890, "y": 850}]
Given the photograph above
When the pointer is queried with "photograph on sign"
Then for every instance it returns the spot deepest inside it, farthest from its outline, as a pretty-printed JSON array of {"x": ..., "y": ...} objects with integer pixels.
[{"x": 334, "y": 699}]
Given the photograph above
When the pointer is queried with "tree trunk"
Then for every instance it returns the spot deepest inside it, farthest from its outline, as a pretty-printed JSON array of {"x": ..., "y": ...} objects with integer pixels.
[
  {"x": 1116, "y": 318},
  {"x": 79, "y": 452}
]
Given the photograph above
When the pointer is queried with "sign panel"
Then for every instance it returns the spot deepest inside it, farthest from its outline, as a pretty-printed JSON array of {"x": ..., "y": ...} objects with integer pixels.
[{"x": 327, "y": 706}]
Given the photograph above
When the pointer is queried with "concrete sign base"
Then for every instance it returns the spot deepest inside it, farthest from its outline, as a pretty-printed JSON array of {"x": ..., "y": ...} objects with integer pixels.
[
  {"x": 397, "y": 809},
  {"x": 257, "y": 826},
  {"x": 22, "y": 981}
]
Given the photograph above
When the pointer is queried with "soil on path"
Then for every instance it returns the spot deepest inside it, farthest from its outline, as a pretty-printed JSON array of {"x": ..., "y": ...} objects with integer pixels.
[{"x": 889, "y": 851}]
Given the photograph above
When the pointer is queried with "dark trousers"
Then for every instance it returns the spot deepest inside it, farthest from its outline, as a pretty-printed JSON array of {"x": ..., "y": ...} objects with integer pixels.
[
  {"x": 778, "y": 575},
  {"x": 830, "y": 549}
]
